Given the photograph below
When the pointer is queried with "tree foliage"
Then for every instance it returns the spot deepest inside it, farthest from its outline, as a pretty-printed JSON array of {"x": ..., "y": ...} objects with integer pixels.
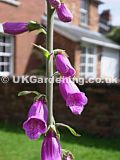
[{"x": 115, "y": 35}]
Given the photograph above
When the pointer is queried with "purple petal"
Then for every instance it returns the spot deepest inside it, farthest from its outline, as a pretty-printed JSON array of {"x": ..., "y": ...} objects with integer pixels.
[
  {"x": 51, "y": 149},
  {"x": 77, "y": 110},
  {"x": 15, "y": 27},
  {"x": 76, "y": 99},
  {"x": 36, "y": 124},
  {"x": 64, "y": 66},
  {"x": 55, "y": 3},
  {"x": 64, "y": 13},
  {"x": 34, "y": 128}
]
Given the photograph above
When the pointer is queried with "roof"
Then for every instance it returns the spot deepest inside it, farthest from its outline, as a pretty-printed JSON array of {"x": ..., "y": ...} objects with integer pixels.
[
  {"x": 99, "y": 1},
  {"x": 78, "y": 34}
]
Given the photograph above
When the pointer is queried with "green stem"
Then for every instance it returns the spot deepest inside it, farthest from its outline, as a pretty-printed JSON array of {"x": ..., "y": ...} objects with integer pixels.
[{"x": 49, "y": 63}]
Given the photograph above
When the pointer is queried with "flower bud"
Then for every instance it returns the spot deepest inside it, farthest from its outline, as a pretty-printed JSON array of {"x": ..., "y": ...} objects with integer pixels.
[
  {"x": 55, "y": 3},
  {"x": 64, "y": 13},
  {"x": 64, "y": 66},
  {"x": 15, "y": 28},
  {"x": 51, "y": 148}
]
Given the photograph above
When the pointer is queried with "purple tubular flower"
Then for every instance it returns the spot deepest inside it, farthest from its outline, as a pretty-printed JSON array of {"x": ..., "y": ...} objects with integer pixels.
[
  {"x": 36, "y": 124},
  {"x": 72, "y": 95},
  {"x": 55, "y": 3},
  {"x": 63, "y": 66},
  {"x": 64, "y": 13},
  {"x": 15, "y": 27},
  {"x": 51, "y": 148}
]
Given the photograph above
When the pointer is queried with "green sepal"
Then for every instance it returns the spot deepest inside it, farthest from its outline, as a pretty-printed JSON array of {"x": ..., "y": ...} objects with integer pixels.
[
  {"x": 24, "y": 93},
  {"x": 56, "y": 74},
  {"x": 66, "y": 153},
  {"x": 44, "y": 51},
  {"x": 60, "y": 51},
  {"x": 68, "y": 127},
  {"x": 33, "y": 25},
  {"x": 40, "y": 96},
  {"x": 41, "y": 30}
]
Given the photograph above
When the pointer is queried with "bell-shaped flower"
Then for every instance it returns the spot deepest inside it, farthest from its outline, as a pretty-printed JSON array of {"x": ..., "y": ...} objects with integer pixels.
[
  {"x": 75, "y": 99},
  {"x": 64, "y": 13},
  {"x": 51, "y": 148},
  {"x": 64, "y": 66},
  {"x": 15, "y": 28},
  {"x": 55, "y": 3},
  {"x": 36, "y": 124}
]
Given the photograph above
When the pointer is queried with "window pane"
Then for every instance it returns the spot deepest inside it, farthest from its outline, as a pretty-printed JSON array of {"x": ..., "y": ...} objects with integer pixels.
[
  {"x": 82, "y": 69},
  {"x": 8, "y": 39},
  {"x": 1, "y": 38},
  {"x": 90, "y": 69},
  {"x": 2, "y": 59},
  {"x": 6, "y": 45},
  {"x": 90, "y": 60},
  {"x": 91, "y": 50},
  {"x": 1, "y": 49},
  {"x": 6, "y": 68},
  {"x": 2, "y": 68},
  {"x": 6, "y": 59},
  {"x": 83, "y": 50},
  {"x": 8, "y": 49},
  {"x": 82, "y": 59},
  {"x": 84, "y": 18},
  {"x": 84, "y": 4}
]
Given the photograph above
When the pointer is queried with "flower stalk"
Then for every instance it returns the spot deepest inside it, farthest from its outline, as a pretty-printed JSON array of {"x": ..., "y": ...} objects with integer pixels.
[{"x": 49, "y": 63}]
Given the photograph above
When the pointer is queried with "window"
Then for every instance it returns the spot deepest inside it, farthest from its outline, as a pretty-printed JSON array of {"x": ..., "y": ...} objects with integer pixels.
[
  {"x": 84, "y": 12},
  {"x": 6, "y": 55},
  {"x": 88, "y": 62}
]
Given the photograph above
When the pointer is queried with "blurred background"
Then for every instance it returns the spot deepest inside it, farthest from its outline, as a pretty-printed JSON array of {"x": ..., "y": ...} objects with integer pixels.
[{"x": 92, "y": 41}]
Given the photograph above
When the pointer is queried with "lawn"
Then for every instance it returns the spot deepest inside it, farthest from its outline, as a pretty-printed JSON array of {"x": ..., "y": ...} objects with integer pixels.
[{"x": 14, "y": 145}]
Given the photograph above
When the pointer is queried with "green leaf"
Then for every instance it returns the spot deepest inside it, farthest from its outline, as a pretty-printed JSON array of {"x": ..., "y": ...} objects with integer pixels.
[
  {"x": 24, "y": 93},
  {"x": 70, "y": 129},
  {"x": 44, "y": 51}
]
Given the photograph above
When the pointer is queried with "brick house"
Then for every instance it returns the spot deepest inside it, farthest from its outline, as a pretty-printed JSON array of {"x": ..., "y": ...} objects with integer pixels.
[
  {"x": 91, "y": 53},
  {"x": 16, "y": 51}
]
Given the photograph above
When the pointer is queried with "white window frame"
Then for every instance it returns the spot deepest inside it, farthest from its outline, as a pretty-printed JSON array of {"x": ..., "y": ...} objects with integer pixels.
[
  {"x": 88, "y": 74},
  {"x": 84, "y": 11},
  {"x": 13, "y": 2},
  {"x": 9, "y": 55}
]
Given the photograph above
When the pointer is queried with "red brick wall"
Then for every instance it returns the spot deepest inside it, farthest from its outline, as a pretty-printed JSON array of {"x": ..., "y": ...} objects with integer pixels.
[
  {"x": 93, "y": 16},
  {"x": 101, "y": 116},
  {"x": 66, "y": 44},
  {"x": 24, "y": 59},
  {"x": 28, "y": 10}
]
